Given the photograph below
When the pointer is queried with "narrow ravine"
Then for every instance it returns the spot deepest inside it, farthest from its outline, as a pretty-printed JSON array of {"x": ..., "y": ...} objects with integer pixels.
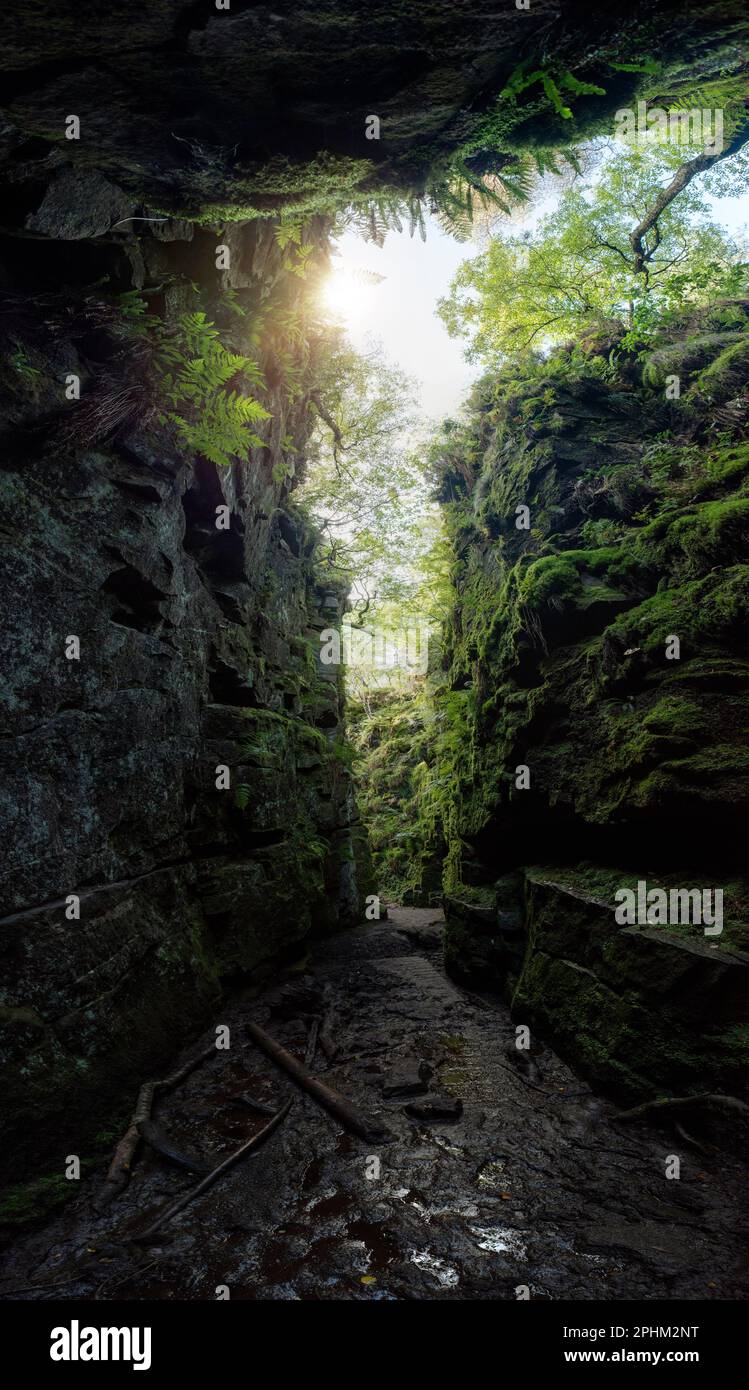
[
  {"x": 374, "y": 712},
  {"x": 496, "y": 1177}
]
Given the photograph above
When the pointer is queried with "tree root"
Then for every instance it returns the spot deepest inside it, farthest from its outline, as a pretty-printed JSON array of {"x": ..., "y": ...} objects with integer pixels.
[
  {"x": 118, "y": 1173},
  {"x": 729, "y": 1105}
]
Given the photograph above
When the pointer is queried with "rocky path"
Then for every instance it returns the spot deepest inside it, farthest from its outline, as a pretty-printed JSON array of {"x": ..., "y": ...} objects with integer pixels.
[{"x": 494, "y": 1178}]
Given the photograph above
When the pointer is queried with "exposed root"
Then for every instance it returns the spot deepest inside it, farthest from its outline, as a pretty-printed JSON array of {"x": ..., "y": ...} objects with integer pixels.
[
  {"x": 729, "y": 1105},
  {"x": 119, "y": 1170}
]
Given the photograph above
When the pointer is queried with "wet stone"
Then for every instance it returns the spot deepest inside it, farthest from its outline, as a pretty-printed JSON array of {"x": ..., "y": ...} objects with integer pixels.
[
  {"x": 409, "y": 1078},
  {"x": 435, "y": 1107}
]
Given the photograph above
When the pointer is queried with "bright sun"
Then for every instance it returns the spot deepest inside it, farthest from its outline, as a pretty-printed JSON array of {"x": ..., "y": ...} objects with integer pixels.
[{"x": 347, "y": 294}]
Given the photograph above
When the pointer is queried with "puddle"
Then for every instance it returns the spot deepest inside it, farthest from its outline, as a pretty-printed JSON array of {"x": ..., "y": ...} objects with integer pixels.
[
  {"x": 439, "y": 1269},
  {"x": 499, "y": 1240},
  {"x": 329, "y": 1204},
  {"x": 380, "y": 1248}
]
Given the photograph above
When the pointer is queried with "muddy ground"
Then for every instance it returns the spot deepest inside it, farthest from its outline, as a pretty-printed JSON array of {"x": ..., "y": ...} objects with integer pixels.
[{"x": 496, "y": 1177}]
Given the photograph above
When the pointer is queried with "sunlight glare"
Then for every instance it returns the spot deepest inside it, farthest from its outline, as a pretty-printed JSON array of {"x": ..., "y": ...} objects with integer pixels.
[{"x": 347, "y": 294}]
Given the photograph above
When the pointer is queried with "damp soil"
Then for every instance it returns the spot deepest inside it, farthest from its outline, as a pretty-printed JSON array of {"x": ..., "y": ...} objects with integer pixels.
[{"x": 533, "y": 1185}]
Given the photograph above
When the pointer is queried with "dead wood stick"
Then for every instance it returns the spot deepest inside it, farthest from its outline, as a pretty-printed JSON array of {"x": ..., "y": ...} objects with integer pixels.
[
  {"x": 253, "y": 1143},
  {"x": 323, "y": 1036},
  {"x": 169, "y": 1082},
  {"x": 729, "y": 1104},
  {"x": 309, "y": 1055},
  {"x": 331, "y": 1100},
  {"x": 118, "y": 1172}
]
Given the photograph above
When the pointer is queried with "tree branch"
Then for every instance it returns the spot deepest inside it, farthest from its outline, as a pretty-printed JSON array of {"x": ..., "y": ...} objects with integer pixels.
[{"x": 682, "y": 177}]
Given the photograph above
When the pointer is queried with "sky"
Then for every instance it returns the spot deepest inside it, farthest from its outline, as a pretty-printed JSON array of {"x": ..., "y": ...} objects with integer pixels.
[{"x": 400, "y": 311}]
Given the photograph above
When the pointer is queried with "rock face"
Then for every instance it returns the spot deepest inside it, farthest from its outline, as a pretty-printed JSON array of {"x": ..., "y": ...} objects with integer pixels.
[
  {"x": 598, "y": 681},
  {"x": 151, "y": 656},
  {"x": 635, "y": 1006},
  {"x": 190, "y": 105},
  {"x": 189, "y": 108}
]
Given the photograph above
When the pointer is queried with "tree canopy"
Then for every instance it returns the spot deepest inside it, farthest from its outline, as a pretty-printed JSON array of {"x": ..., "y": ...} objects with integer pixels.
[
  {"x": 578, "y": 268},
  {"x": 368, "y": 490}
]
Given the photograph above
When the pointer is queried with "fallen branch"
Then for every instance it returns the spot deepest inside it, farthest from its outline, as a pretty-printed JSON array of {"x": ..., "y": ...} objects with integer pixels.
[
  {"x": 331, "y": 1100},
  {"x": 118, "y": 1173},
  {"x": 258, "y": 1106},
  {"x": 253, "y": 1143}
]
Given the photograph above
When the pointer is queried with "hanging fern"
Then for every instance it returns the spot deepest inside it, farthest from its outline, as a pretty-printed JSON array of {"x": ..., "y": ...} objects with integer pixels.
[
  {"x": 194, "y": 369},
  {"x": 457, "y": 196},
  {"x": 521, "y": 79},
  {"x": 375, "y": 217}
]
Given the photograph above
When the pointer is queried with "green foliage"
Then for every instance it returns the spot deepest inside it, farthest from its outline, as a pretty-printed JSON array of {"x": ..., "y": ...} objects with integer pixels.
[
  {"x": 270, "y": 721},
  {"x": 368, "y": 493},
  {"x": 557, "y": 639},
  {"x": 201, "y": 381},
  {"x": 652, "y": 66},
  {"x": 576, "y": 270},
  {"x": 196, "y": 369},
  {"x": 521, "y": 79},
  {"x": 393, "y": 735},
  {"x": 290, "y": 238},
  {"x": 23, "y": 368},
  {"x": 133, "y": 308}
]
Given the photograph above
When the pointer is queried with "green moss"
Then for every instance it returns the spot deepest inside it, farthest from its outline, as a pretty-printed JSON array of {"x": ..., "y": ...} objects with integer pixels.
[
  {"x": 726, "y": 374},
  {"x": 31, "y": 1200},
  {"x": 27, "y": 1202},
  {"x": 676, "y": 715}
]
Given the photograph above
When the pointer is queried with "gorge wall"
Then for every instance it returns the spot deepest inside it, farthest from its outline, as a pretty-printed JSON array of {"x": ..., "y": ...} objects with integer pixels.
[
  {"x": 596, "y": 753},
  {"x": 199, "y": 650},
  {"x": 585, "y": 727}
]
